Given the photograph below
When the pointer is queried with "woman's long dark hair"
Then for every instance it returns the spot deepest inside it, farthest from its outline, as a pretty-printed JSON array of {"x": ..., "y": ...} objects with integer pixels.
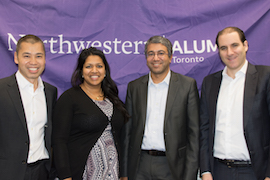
[{"x": 108, "y": 86}]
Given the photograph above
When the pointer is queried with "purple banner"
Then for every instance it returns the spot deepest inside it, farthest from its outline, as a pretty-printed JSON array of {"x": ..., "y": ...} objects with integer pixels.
[{"x": 121, "y": 27}]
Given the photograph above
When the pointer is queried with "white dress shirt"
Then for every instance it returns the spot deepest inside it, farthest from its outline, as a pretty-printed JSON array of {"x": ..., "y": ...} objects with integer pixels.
[
  {"x": 229, "y": 142},
  {"x": 35, "y": 109},
  {"x": 156, "y": 103}
]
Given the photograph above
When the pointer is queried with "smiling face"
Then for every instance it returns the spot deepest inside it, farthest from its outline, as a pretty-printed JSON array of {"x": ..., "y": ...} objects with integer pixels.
[
  {"x": 158, "y": 60},
  {"x": 31, "y": 60},
  {"x": 232, "y": 51},
  {"x": 93, "y": 71}
]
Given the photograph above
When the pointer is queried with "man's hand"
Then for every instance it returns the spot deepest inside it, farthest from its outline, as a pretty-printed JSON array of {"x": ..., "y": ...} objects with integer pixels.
[
  {"x": 267, "y": 178},
  {"x": 208, "y": 176},
  {"x": 123, "y": 178}
]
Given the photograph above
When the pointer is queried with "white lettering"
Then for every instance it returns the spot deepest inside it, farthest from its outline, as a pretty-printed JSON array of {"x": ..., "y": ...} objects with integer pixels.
[
  {"x": 108, "y": 47},
  {"x": 11, "y": 37},
  {"x": 195, "y": 45},
  {"x": 61, "y": 45},
  {"x": 115, "y": 46},
  {"x": 177, "y": 47},
  {"x": 187, "y": 60},
  {"x": 88, "y": 44},
  {"x": 81, "y": 47},
  {"x": 96, "y": 44},
  {"x": 186, "y": 49},
  {"x": 51, "y": 45},
  {"x": 136, "y": 43},
  {"x": 210, "y": 45},
  {"x": 126, "y": 44}
]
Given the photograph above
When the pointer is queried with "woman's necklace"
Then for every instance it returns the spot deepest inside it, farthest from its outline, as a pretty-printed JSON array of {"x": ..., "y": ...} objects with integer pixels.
[{"x": 100, "y": 96}]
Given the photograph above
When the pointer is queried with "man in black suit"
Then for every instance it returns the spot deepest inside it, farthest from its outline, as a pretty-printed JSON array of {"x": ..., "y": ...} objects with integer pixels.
[
  {"x": 235, "y": 115},
  {"x": 26, "y": 104},
  {"x": 162, "y": 134}
]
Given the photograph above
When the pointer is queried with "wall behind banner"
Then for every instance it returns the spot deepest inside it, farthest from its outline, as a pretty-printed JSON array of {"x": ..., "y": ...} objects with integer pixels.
[{"x": 121, "y": 27}]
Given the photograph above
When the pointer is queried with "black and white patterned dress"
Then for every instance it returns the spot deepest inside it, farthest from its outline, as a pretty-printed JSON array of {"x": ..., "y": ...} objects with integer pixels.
[{"x": 102, "y": 162}]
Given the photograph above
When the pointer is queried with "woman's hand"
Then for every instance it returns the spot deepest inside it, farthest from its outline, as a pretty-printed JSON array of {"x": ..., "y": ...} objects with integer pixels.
[{"x": 207, "y": 176}]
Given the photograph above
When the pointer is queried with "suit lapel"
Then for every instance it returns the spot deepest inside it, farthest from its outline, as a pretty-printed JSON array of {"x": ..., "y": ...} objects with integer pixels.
[
  {"x": 48, "y": 96},
  {"x": 14, "y": 94},
  {"x": 215, "y": 86},
  {"x": 172, "y": 91},
  {"x": 142, "y": 94},
  {"x": 249, "y": 92}
]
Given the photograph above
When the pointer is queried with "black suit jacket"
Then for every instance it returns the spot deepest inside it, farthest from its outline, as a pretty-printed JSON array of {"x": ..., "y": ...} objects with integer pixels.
[
  {"x": 181, "y": 126},
  {"x": 14, "y": 139},
  {"x": 256, "y": 117}
]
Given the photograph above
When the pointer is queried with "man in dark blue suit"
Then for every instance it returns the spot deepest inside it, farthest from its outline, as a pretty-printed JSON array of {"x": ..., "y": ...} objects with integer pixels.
[
  {"x": 26, "y": 104},
  {"x": 235, "y": 115}
]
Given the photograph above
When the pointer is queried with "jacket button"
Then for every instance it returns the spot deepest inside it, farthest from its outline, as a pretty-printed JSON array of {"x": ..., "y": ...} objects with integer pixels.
[{"x": 23, "y": 162}]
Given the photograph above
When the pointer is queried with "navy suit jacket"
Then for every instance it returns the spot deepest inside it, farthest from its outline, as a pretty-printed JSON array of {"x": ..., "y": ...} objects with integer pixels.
[
  {"x": 181, "y": 126},
  {"x": 256, "y": 118},
  {"x": 14, "y": 138}
]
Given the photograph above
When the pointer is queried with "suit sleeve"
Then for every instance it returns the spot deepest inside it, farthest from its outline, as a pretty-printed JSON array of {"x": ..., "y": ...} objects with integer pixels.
[
  {"x": 268, "y": 103},
  {"x": 62, "y": 119},
  {"x": 126, "y": 134},
  {"x": 192, "y": 153},
  {"x": 204, "y": 131}
]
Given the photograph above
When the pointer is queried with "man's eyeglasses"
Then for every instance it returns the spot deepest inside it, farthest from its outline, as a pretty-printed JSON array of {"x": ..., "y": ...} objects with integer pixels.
[{"x": 160, "y": 54}]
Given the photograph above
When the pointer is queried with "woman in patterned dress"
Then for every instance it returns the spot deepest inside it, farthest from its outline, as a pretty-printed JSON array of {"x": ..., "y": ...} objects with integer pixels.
[{"x": 87, "y": 122}]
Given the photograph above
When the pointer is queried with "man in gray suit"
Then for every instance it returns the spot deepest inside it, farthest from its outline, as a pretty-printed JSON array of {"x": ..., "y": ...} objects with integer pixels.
[
  {"x": 162, "y": 134},
  {"x": 235, "y": 115},
  {"x": 26, "y": 104}
]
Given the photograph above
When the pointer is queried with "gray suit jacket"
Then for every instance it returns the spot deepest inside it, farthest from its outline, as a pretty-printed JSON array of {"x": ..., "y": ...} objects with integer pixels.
[
  {"x": 181, "y": 126},
  {"x": 256, "y": 117},
  {"x": 14, "y": 139}
]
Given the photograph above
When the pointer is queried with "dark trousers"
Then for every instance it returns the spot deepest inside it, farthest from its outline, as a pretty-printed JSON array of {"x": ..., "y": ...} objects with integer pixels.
[
  {"x": 223, "y": 172},
  {"x": 153, "y": 168},
  {"x": 37, "y": 171}
]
